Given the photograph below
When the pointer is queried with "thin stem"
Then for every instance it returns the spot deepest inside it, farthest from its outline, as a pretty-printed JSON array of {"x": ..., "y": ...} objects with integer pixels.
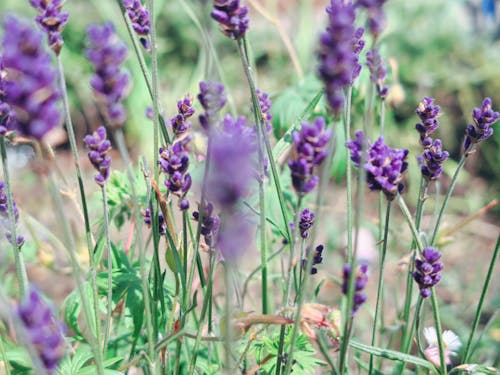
[
  {"x": 380, "y": 284},
  {"x": 439, "y": 333},
  {"x": 479, "y": 309},
  {"x": 447, "y": 198},
  {"x": 6, "y": 362},
  {"x": 411, "y": 224},
  {"x": 22, "y": 277},
  {"x": 228, "y": 336},
  {"x": 107, "y": 323},
  {"x": 347, "y": 131}
]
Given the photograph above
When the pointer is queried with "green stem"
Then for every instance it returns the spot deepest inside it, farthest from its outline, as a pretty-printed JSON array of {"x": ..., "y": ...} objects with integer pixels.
[
  {"x": 479, "y": 309},
  {"x": 447, "y": 198},
  {"x": 411, "y": 224},
  {"x": 380, "y": 284},
  {"x": 107, "y": 326},
  {"x": 439, "y": 332},
  {"x": 347, "y": 131},
  {"x": 4, "y": 355},
  {"x": 22, "y": 277}
]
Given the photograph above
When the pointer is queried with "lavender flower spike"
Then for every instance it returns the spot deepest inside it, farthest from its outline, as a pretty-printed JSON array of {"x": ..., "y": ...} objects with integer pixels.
[
  {"x": 483, "y": 118},
  {"x": 306, "y": 222},
  {"x": 44, "y": 331},
  {"x": 376, "y": 16},
  {"x": 139, "y": 16},
  {"x": 209, "y": 223},
  {"x": 428, "y": 271},
  {"x": 212, "y": 98},
  {"x": 162, "y": 224},
  {"x": 384, "y": 165},
  {"x": 6, "y": 113},
  {"x": 360, "y": 284},
  {"x": 309, "y": 152},
  {"x": 110, "y": 82},
  {"x": 338, "y": 54},
  {"x": 52, "y": 21},
  {"x": 185, "y": 110},
  {"x": 232, "y": 17},
  {"x": 428, "y": 113},
  {"x": 99, "y": 148},
  {"x": 317, "y": 259},
  {"x": 4, "y": 215},
  {"x": 30, "y": 86},
  {"x": 377, "y": 72}
]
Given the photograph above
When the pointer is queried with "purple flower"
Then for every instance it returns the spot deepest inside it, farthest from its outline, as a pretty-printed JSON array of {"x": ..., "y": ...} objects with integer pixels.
[
  {"x": 174, "y": 162},
  {"x": 306, "y": 222},
  {"x": 338, "y": 54},
  {"x": 428, "y": 271},
  {"x": 110, "y": 82},
  {"x": 162, "y": 224},
  {"x": 212, "y": 98},
  {"x": 359, "y": 285},
  {"x": 99, "y": 148},
  {"x": 180, "y": 123},
  {"x": 6, "y": 113},
  {"x": 377, "y": 71},
  {"x": 52, "y": 21},
  {"x": 265, "y": 106},
  {"x": 384, "y": 165},
  {"x": 432, "y": 159},
  {"x": 30, "y": 86},
  {"x": 139, "y": 17},
  {"x": 232, "y": 17},
  {"x": 209, "y": 223},
  {"x": 44, "y": 331},
  {"x": 4, "y": 214},
  {"x": 428, "y": 113},
  {"x": 310, "y": 149},
  {"x": 376, "y": 16},
  {"x": 317, "y": 259},
  {"x": 483, "y": 118}
]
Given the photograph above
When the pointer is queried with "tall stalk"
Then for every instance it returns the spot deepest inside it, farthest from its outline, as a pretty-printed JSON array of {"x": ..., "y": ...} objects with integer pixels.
[{"x": 109, "y": 309}]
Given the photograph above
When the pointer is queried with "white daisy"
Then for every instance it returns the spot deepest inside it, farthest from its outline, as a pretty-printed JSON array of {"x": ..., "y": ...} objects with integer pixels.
[{"x": 451, "y": 344}]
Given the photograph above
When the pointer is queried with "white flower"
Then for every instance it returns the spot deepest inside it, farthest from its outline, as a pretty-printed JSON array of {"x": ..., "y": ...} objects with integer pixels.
[{"x": 451, "y": 343}]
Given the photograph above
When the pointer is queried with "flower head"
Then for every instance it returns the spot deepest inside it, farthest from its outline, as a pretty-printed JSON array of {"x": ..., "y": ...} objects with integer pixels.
[
  {"x": 30, "y": 86},
  {"x": 384, "y": 165},
  {"x": 180, "y": 123},
  {"x": 432, "y": 159},
  {"x": 99, "y": 147},
  {"x": 6, "y": 113},
  {"x": 212, "y": 98},
  {"x": 306, "y": 222},
  {"x": 139, "y": 16},
  {"x": 52, "y": 21},
  {"x": 428, "y": 270},
  {"x": 265, "y": 106},
  {"x": 377, "y": 72},
  {"x": 162, "y": 224},
  {"x": 44, "y": 331},
  {"x": 317, "y": 258},
  {"x": 451, "y": 344},
  {"x": 338, "y": 54},
  {"x": 232, "y": 17},
  {"x": 209, "y": 223},
  {"x": 4, "y": 214},
  {"x": 359, "y": 285},
  {"x": 428, "y": 113},
  {"x": 483, "y": 119},
  {"x": 376, "y": 16},
  {"x": 110, "y": 81},
  {"x": 310, "y": 149}
]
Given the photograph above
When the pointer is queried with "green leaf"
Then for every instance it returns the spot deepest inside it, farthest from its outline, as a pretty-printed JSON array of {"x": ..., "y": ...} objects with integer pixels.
[
  {"x": 72, "y": 307},
  {"x": 91, "y": 370}
]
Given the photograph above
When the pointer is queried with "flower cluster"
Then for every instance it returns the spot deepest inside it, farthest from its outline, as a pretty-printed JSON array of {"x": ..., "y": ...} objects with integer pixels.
[
  {"x": 338, "y": 54},
  {"x": 376, "y": 16},
  {"x": 310, "y": 149},
  {"x": 359, "y": 285},
  {"x": 212, "y": 98},
  {"x": 180, "y": 123},
  {"x": 433, "y": 156},
  {"x": 209, "y": 223},
  {"x": 99, "y": 147},
  {"x": 139, "y": 16},
  {"x": 483, "y": 118},
  {"x": 428, "y": 271},
  {"x": 174, "y": 162},
  {"x": 384, "y": 165},
  {"x": 44, "y": 331},
  {"x": 162, "y": 224},
  {"x": 317, "y": 259},
  {"x": 4, "y": 214},
  {"x": 232, "y": 17},
  {"x": 265, "y": 106},
  {"x": 6, "y": 113},
  {"x": 451, "y": 344},
  {"x": 30, "y": 88},
  {"x": 377, "y": 72},
  {"x": 306, "y": 222},
  {"x": 107, "y": 53},
  {"x": 52, "y": 21}
]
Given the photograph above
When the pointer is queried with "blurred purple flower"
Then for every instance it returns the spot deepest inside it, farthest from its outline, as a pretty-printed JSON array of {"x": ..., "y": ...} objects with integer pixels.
[
  {"x": 376, "y": 16},
  {"x": 483, "y": 118},
  {"x": 30, "y": 86},
  {"x": 384, "y": 165},
  {"x": 45, "y": 332},
  {"x": 139, "y": 17},
  {"x": 359, "y": 285},
  {"x": 232, "y": 17},
  {"x": 99, "y": 147},
  {"x": 306, "y": 222},
  {"x": 338, "y": 54},
  {"x": 310, "y": 149},
  {"x": 212, "y": 98},
  {"x": 52, "y": 21},
  {"x": 6, "y": 113},
  {"x": 265, "y": 106},
  {"x": 180, "y": 123},
  {"x": 110, "y": 82},
  {"x": 428, "y": 270},
  {"x": 317, "y": 259},
  {"x": 377, "y": 72},
  {"x": 4, "y": 214},
  {"x": 209, "y": 223},
  {"x": 162, "y": 224}
]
